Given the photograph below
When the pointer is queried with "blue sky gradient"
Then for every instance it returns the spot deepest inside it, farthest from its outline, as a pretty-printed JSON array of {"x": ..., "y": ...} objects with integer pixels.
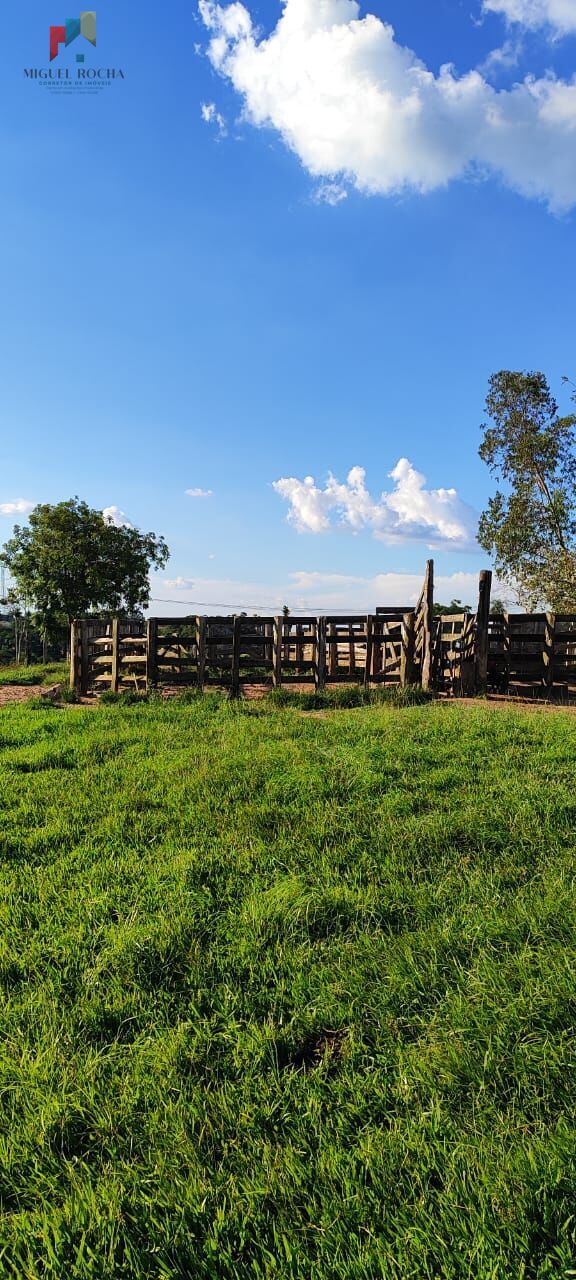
[{"x": 180, "y": 312}]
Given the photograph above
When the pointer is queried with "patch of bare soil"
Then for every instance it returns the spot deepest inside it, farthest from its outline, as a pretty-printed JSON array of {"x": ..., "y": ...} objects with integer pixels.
[
  {"x": 502, "y": 702},
  {"x": 20, "y": 693}
]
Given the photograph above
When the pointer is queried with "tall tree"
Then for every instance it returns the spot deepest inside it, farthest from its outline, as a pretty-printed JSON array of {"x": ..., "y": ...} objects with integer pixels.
[
  {"x": 529, "y": 525},
  {"x": 69, "y": 561}
]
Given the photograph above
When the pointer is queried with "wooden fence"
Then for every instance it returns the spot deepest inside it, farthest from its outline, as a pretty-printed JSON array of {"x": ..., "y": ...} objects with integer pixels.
[
  {"x": 231, "y": 652},
  {"x": 457, "y": 654}
]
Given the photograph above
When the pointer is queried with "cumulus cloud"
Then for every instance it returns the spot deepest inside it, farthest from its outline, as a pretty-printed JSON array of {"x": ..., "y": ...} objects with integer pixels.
[
  {"x": 558, "y": 14},
  {"x": 354, "y": 104},
  {"x": 409, "y": 512},
  {"x": 199, "y": 493},
  {"x": 113, "y": 515},
  {"x": 17, "y": 507}
]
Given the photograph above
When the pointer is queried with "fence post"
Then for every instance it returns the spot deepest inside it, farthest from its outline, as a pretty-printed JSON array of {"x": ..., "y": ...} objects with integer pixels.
[
  {"x": 200, "y": 651},
  {"x": 427, "y": 619},
  {"x": 151, "y": 653},
  {"x": 278, "y": 647},
  {"x": 84, "y": 665},
  {"x": 369, "y": 650},
  {"x": 548, "y": 652},
  {"x": 332, "y": 651},
  {"x": 299, "y": 645},
  {"x": 482, "y": 631},
  {"x": 407, "y": 656},
  {"x": 236, "y": 641},
  {"x": 351, "y": 649},
  {"x": 378, "y": 636},
  {"x": 320, "y": 653},
  {"x": 74, "y": 671},
  {"x": 507, "y": 648},
  {"x": 269, "y": 643},
  {"x": 115, "y": 654}
]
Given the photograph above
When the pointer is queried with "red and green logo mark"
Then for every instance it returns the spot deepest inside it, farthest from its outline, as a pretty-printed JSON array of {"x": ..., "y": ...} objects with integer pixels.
[{"x": 85, "y": 26}]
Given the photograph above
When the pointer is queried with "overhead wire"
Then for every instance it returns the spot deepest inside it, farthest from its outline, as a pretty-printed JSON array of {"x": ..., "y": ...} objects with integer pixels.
[{"x": 269, "y": 608}]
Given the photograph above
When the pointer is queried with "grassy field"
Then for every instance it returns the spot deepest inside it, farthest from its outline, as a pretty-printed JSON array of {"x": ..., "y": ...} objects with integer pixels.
[
  {"x": 287, "y": 995},
  {"x": 37, "y": 673}
]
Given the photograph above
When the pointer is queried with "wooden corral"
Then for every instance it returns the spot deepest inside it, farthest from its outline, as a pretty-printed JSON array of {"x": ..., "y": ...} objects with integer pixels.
[
  {"x": 232, "y": 652},
  {"x": 459, "y": 654}
]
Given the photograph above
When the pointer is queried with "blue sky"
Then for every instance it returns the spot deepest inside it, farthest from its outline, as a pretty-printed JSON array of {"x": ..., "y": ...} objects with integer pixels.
[{"x": 183, "y": 308}]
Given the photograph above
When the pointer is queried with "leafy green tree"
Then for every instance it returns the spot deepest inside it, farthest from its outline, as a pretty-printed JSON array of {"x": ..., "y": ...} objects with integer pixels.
[
  {"x": 70, "y": 561},
  {"x": 455, "y": 606},
  {"x": 529, "y": 525}
]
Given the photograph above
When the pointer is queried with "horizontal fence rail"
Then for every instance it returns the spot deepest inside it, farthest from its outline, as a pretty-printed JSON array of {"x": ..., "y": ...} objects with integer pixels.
[{"x": 461, "y": 653}]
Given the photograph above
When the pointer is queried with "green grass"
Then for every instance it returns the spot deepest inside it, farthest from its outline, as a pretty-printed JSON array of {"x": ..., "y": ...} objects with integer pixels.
[
  {"x": 37, "y": 673},
  {"x": 287, "y": 996},
  {"x": 346, "y": 696}
]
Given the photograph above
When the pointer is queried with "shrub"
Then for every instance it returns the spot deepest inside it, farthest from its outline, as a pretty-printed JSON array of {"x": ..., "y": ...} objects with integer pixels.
[
  {"x": 350, "y": 695},
  {"x": 126, "y": 697},
  {"x": 412, "y": 695},
  {"x": 68, "y": 695}
]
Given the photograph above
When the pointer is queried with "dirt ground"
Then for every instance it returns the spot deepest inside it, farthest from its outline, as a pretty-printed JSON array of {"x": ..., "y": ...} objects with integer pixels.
[
  {"x": 10, "y": 693},
  {"x": 20, "y": 693}
]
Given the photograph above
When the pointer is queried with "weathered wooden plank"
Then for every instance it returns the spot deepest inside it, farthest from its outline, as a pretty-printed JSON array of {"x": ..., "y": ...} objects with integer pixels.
[
  {"x": 332, "y": 642},
  {"x": 74, "y": 657},
  {"x": 369, "y": 651},
  {"x": 236, "y": 643},
  {"x": 278, "y": 651},
  {"x": 346, "y": 619},
  {"x": 321, "y": 653},
  {"x": 407, "y": 655},
  {"x": 115, "y": 655},
  {"x": 482, "y": 642},
  {"x": 548, "y": 652},
  {"x": 379, "y": 642},
  {"x": 427, "y": 615},
  {"x": 84, "y": 658}
]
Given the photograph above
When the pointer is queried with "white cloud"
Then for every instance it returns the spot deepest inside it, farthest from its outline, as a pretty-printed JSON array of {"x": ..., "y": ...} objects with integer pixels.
[
  {"x": 409, "y": 512},
  {"x": 113, "y": 515},
  {"x": 501, "y": 59},
  {"x": 199, "y": 493},
  {"x": 356, "y": 105},
  {"x": 335, "y": 591},
  {"x": 332, "y": 193},
  {"x": 18, "y": 507},
  {"x": 311, "y": 592},
  {"x": 211, "y": 116},
  {"x": 558, "y": 14}
]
